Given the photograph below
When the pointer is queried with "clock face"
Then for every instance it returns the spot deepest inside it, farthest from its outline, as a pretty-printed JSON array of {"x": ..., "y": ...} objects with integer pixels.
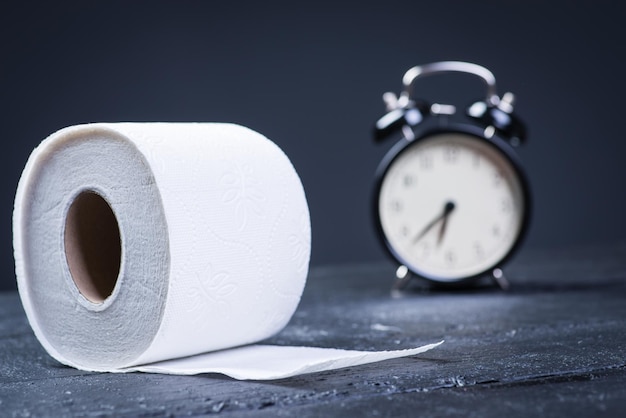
[{"x": 451, "y": 206}]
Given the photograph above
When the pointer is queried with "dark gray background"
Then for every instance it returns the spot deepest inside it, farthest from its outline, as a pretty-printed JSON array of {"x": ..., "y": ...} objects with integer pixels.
[{"x": 310, "y": 77}]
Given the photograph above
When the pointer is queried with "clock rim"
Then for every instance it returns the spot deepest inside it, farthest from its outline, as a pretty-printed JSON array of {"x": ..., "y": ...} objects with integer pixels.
[{"x": 500, "y": 145}]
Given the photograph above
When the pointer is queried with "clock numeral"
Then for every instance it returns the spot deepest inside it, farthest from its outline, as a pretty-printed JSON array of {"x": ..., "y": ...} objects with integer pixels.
[
  {"x": 426, "y": 162},
  {"x": 424, "y": 250},
  {"x": 476, "y": 160},
  {"x": 396, "y": 205},
  {"x": 479, "y": 251},
  {"x": 451, "y": 153},
  {"x": 404, "y": 231},
  {"x": 408, "y": 180},
  {"x": 450, "y": 258},
  {"x": 506, "y": 206},
  {"x": 495, "y": 230},
  {"x": 497, "y": 179}
]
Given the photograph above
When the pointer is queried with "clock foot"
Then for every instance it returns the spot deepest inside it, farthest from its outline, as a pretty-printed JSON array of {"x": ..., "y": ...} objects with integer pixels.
[
  {"x": 403, "y": 277},
  {"x": 500, "y": 279}
]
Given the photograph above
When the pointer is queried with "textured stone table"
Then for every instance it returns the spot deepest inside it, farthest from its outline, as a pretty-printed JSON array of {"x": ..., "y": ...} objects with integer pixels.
[{"x": 552, "y": 345}]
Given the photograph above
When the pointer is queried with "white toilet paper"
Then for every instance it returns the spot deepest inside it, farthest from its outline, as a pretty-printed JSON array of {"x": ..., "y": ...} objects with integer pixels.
[{"x": 137, "y": 243}]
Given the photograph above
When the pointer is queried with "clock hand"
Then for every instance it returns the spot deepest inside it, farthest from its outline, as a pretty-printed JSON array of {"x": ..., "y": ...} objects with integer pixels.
[{"x": 447, "y": 208}]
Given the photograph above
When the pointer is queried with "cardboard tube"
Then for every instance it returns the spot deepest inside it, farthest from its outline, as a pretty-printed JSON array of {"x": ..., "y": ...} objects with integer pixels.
[{"x": 92, "y": 246}]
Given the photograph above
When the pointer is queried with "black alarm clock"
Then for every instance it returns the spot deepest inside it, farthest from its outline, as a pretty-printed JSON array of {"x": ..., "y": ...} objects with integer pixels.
[{"x": 451, "y": 199}]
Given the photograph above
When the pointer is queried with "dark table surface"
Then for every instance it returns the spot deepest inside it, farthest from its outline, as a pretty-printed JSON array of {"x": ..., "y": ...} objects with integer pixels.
[{"x": 554, "y": 344}]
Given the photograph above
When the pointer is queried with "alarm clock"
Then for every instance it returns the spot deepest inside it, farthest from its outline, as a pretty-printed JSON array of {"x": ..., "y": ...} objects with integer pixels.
[{"x": 451, "y": 199}]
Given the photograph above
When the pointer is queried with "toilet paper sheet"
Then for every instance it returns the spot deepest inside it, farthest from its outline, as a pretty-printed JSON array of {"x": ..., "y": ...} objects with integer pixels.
[
  {"x": 267, "y": 362},
  {"x": 139, "y": 246}
]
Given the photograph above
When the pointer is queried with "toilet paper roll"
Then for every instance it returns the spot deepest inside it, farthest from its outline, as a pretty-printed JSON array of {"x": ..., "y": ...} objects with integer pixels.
[{"x": 142, "y": 242}]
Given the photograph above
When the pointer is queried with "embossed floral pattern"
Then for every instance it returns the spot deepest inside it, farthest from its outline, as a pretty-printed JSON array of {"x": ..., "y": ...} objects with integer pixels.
[
  {"x": 242, "y": 191},
  {"x": 212, "y": 287},
  {"x": 300, "y": 242}
]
